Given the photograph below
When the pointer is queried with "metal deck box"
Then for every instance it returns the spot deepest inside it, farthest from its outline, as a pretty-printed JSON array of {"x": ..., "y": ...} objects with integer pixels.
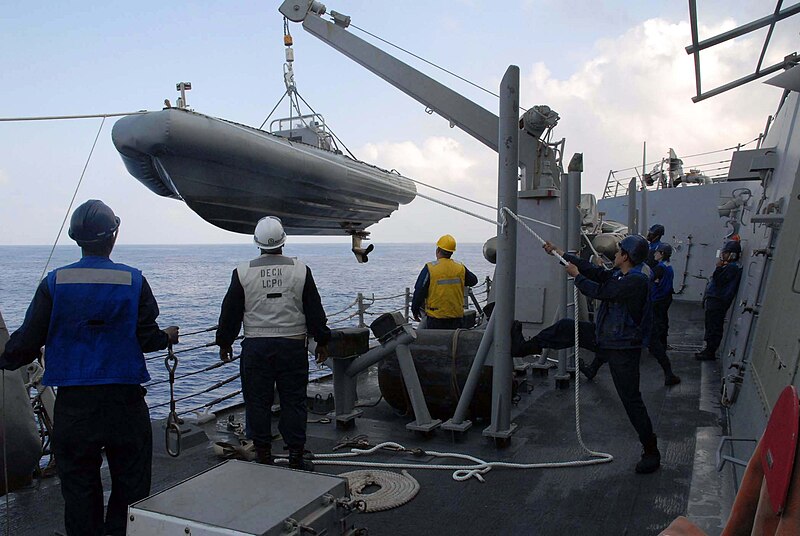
[{"x": 241, "y": 498}]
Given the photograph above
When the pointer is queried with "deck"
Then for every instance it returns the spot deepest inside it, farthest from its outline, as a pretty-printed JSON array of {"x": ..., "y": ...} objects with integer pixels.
[{"x": 599, "y": 499}]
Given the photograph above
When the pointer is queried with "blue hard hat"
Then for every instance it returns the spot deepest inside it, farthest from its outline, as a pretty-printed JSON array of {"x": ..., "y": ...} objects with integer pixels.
[
  {"x": 732, "y": 246},
  {"x": 665, "y": 249},
  {"x": 657, "y": 229},
  {"x": 636, "y": 247},
  {"x": 92, "y": 223}
]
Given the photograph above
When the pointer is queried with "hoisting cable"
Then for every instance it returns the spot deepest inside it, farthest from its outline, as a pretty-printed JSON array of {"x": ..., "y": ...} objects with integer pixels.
[
  {"x": 420, "y": 58},
  {"x": 71, "y": 201}
]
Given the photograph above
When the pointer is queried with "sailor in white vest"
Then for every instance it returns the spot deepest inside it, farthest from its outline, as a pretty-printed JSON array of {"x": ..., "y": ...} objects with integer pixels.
[{"x": 276, "y": 299}]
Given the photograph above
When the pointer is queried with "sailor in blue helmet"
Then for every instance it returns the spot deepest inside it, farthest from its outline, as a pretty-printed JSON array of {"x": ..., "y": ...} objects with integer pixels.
[
  {"x": 95, "y": 319},
  {"x": 720, "y": 293},
  {"x": 654, "y": 235},
  {"x": 621, "y": 330},
  {"x": 661, "y": 278},
  {"x": 276, "y": 299},
  {"x": 661, "y": 297}
]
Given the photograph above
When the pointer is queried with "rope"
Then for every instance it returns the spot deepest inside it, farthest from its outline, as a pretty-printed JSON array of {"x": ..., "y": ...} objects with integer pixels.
[
  {"x": 394, "y": 489},
  {"x": 74, "y": 194},
  {"x": 448, "y": 205},
  {"x": 476, "y": 469},
  {"x": 374, "y": 299}
]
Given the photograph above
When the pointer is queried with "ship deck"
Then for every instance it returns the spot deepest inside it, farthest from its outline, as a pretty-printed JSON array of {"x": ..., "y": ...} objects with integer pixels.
[{"x": 599, "y": 499}]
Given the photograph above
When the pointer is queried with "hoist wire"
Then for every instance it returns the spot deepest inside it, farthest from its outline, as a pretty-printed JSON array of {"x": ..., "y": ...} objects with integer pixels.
[
  {"x": 74, "y": 194},
  {"x": 273, "y": 110},
  {"x": 420, "y": 58},
  {"x": 329, "y": 128}
]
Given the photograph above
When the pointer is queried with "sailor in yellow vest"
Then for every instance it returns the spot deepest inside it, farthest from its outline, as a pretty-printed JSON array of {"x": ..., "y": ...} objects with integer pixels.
[{"x": 440, "y": 288}]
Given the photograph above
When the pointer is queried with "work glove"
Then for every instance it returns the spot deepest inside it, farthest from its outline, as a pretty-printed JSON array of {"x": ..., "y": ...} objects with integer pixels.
[
  {"x": 172, "y": 333},
  {"x": 226, "y": 354}
]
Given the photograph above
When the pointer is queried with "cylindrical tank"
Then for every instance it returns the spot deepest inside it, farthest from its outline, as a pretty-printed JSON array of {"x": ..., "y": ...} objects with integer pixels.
[{"x": 442, "y": 373}]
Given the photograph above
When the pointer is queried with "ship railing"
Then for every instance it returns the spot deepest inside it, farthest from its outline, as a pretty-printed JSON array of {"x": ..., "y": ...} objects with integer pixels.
[
  {"x": 198, "y": 362},
  {"x": 696, "y": 165}
]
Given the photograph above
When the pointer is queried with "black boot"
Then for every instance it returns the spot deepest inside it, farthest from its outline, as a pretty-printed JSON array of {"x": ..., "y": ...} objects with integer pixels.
[
  {"x": 651, "y": 457},
  {"x": 669, "y": 377},
  {"x": 705, "y": 355},
  {"x": 297, "y": 460},
  {"x": 672, "y": 379},
  {"x": 519, "y": 346},
  {"x": 264, "y": 455},
  {"x": 590, "y": 370}
]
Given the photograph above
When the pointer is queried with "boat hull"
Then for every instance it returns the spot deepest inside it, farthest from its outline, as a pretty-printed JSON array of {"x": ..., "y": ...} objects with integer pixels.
[{"x": 232, "y": 175}]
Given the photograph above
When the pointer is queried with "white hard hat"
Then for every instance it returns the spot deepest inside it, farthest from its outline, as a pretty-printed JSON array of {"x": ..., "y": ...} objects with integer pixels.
[{"x": 269, "y": 233}]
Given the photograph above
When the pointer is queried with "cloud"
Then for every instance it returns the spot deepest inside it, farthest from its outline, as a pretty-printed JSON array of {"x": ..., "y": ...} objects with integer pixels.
[
  {"x": 440, "y": 161},
  {"x": 638, "y": 87},
  {"x": 4, "y": 179}
]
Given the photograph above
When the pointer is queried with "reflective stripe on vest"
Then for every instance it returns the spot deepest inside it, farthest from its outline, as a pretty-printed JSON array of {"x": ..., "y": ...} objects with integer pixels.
[
  {"x": 91, "y": 339},
  {"x": 446, "y": 289},
  {"x": 273, "y": 296}
]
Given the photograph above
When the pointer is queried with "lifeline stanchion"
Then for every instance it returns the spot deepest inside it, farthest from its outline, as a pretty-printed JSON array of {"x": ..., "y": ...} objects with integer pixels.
[
  {"x": 173, "y": 421},
  {"x": 5, "y": 458}
]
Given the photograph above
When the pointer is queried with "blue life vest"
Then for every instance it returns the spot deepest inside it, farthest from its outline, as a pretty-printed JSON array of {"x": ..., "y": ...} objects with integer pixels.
[
  {"x": 660, "y": 290},
  {"x": 616, "y": 327},
  {"x": 91, "y": 339}
]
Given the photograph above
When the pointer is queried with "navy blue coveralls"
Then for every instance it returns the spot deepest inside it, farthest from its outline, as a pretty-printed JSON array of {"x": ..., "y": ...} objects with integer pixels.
[
  {"x": 421, "y": 292},
  {"x": 91, "y": 414},
  {"x": 651, "y": 253},
  {"x": 269, "y": 361},
  {"x": 661, "y": 299},
  {"x": 619, "y": 334},
  {"x": 720, "y": 293}
]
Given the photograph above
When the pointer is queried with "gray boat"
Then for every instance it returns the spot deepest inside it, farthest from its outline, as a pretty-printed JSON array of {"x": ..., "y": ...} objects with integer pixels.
[{"x": 231, "y": 174}]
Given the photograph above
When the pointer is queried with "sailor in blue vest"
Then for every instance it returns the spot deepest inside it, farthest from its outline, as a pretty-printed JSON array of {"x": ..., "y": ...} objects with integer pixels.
[
  {"x": 95, "y": 318},
  {"x": 720, "y": 292},
  {"x": 654, "y": 235},
  {"x": 619, "y": 334},
  {"x": 276, "y": 299},
  {"x": 661, "y": 297}
]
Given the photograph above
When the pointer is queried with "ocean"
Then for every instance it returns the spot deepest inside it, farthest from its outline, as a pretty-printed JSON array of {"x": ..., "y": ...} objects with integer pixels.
[{"x": 189, "y": 283}]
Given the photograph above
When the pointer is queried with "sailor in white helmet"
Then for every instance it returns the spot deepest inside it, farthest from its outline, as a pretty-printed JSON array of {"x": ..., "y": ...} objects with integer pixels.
[{"x": 276, "y": 299}]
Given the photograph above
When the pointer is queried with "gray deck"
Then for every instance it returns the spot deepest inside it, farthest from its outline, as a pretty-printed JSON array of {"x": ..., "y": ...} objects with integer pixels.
[{"x": 600, "y": 499}]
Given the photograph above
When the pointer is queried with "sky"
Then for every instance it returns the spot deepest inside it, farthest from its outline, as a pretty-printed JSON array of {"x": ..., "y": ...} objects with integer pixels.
[{"x": 615, "y": 71}]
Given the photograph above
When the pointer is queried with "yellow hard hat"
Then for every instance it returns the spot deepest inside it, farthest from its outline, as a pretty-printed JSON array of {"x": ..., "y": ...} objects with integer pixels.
[{"x": 447, "y": 243}]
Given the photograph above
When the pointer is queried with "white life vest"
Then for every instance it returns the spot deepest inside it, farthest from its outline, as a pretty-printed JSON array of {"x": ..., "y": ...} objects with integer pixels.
[{"x": 273, "y": 296}]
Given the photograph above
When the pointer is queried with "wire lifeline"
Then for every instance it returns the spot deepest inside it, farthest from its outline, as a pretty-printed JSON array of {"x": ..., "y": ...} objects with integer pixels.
[
  {"x": 61, "y": 117},
  {"x": 74, "y": 194}
]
